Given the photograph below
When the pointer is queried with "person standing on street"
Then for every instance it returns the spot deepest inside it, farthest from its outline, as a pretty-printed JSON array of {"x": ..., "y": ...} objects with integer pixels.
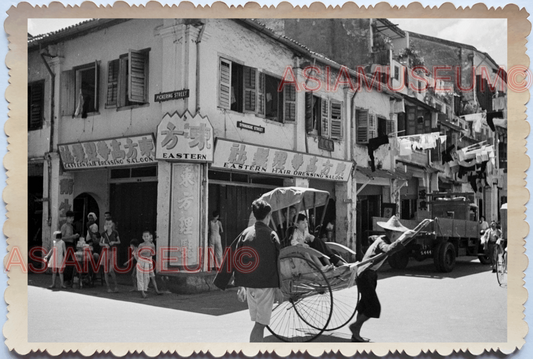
[
  {"x": 215, "y": 239},
  {"x": 69, "y": 237},
  {"x": 260, "y": 287},
  {"x": 489, "y": 240},
  {"x": 396, "y": 236},
  {"x": 110, "y": 241},
  {"x": 55, "y": 258}
]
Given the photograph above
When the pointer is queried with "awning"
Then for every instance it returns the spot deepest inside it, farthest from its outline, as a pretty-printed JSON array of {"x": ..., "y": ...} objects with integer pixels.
[{"x": 382, "y": 173}]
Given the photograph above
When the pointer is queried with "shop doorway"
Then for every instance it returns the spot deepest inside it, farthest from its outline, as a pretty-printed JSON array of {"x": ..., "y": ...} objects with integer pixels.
[
  {"x": 83, "y": 205},
  {"x": 234, "y": 204},
  {"x": 133, "y": 206}
]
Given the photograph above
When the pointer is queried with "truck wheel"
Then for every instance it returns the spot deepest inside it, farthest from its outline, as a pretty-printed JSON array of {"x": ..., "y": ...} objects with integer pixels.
[
  {"x": 484, "y": 259},
  {"x": 399, "y": 260},
  {"x": 446, "y": 257}
]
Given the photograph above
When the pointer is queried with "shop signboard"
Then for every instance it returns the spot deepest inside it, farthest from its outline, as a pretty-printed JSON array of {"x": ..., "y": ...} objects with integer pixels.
[
  {"x": 184, "y": 138},
  {"x": 113, "y": 152},
  {"x": 245, "y": 157},
  {"x": 185, "y": 218}
]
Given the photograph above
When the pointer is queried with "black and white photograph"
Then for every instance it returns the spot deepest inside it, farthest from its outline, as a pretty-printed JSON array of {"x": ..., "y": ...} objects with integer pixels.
[{"x": 276, "y": 180}]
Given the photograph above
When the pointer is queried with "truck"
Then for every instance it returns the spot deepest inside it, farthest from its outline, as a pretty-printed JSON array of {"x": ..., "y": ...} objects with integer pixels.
[{"x": 454, "y": 232}]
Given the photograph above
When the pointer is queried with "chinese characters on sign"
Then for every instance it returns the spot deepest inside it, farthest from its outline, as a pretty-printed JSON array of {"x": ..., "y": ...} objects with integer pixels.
[
  {"x": 124, "y": 151},
  {"x": 185, "y": 138},
  {"x": 185, "y": 207},
  {"x": 251, "y": 158}
]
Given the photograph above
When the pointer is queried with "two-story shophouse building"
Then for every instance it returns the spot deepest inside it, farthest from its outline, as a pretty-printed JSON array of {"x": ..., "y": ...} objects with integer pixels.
[
  {"x": 435, "y": 104},
  {"x": 163, "y": 121}
]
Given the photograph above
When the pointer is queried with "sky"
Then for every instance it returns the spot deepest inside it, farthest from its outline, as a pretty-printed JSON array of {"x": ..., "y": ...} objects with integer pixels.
[
  {"x": 487, "y": 35},
  {"x": 492, "y": 39}
]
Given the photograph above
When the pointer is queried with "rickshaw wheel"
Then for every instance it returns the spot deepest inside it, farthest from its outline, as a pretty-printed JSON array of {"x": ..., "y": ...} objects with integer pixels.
[
  {"x": 344, "y": 307},
  {"x": 308, "y": 307}
]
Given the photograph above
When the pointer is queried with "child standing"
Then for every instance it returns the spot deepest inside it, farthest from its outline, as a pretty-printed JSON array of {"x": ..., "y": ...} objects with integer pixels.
[
  {"x": 145, "y": 267},
  {"x": 56, "y": 257}
]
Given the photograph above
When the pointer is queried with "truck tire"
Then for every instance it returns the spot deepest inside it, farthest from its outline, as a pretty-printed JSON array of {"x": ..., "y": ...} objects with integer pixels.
[
  {"x": 484, "y": 259},
  {"x": 399, "y": 260},
  {"x": 446, "y": 257}
]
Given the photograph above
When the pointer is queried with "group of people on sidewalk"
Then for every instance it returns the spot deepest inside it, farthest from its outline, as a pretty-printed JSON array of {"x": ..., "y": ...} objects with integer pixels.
[
  {"x": 103, "y": 248},
  {"x": 261, "y": 287}
]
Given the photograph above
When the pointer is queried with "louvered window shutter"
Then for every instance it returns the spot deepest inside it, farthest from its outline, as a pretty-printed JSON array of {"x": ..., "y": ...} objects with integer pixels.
[
  {"x": 224, "y": 94},
  {"x": 112, "y": 83},
  {"x": 389, "y": 126},
  {"x": 96, "y": 89},
  {"x": 324, "y": 125},
  {"x": 289, "y": 94},
  {"x": 261, "y": 94},
  {"x": 372, "y": 126},
  {"x": 137, "y": 76},
  {"x": 68, "y": 93},
  {"x": 35, "y": 105},
  {"x": 250, "y": 88},
  {"x": 362, "y": 126},
  {"x": 308, "y": 112},
  {"x": 336, "y": 120}
]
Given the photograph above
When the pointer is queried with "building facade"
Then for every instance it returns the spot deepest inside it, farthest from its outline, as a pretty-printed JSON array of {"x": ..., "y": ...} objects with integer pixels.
[{"x": 164, "y": 121}]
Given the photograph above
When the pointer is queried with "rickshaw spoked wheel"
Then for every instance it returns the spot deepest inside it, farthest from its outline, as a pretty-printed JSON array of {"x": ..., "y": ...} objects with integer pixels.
[
  {"x": 344, "y": 306},
  {"x": 307, "y": 312}
]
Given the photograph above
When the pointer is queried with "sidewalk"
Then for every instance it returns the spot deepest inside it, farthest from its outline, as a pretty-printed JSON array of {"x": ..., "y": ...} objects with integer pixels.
[{"x": 213, "y": 303}]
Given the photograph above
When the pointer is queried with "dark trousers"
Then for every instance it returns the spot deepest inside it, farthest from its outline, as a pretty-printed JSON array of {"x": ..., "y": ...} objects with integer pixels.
[
  {"x": 69, "y": 269},
  {"x": 369, "y": 303}
]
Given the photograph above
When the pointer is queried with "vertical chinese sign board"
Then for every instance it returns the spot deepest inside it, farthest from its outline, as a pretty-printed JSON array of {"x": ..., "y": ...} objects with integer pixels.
[
  {"x": 186, "y": 142},
  {"x": 185, "y": 214}
]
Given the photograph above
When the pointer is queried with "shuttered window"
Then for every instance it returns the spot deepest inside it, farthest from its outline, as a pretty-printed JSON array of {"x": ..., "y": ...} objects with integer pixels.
[
  {"x": 261, "y": 94},
  {"x": 35, "y": 105},
  {"x": 289, "y": 93},
  {"x": 309, "y": 125},
  {"x": 250, "y": 89},
  {"x": 224, "y": 91},
  {"x": 80, "y": 90},
  {"x": 324, "y": 120},
  {"x": 366, "y": 126},
  {"x": 336, "y": 120},
  {"x": 112, "y": 83},
  {"x": 68, "y": 92},
  {"x": 138, "y": 76},
  {"x": 127, "y": 79}
]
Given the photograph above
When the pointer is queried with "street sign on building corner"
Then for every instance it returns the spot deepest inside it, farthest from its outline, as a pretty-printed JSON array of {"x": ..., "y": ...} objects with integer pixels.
[{"x": 172, "y": 95}]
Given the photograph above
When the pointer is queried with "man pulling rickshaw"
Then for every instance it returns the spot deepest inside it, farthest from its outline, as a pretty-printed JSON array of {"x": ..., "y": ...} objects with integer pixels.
[{"x": 314, "y": 299}]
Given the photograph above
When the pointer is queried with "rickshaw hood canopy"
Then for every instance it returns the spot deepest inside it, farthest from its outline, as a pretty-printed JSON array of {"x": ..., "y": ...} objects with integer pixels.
[{"x": 283, "y": 197}]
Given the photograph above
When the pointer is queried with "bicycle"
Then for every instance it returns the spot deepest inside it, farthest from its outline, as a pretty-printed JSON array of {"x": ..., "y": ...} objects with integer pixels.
[{"x": 501, "y": 263}]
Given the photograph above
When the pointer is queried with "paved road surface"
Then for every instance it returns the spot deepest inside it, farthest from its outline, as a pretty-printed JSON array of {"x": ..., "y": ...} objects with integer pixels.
[{"x": 419, "y": 305}]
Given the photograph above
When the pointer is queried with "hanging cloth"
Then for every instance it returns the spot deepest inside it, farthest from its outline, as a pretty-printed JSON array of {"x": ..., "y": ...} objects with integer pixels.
[
  {"x": 490, "y": 119},
  {"x": 374, "y": 144},
  {"x": 79, "y": 105}
]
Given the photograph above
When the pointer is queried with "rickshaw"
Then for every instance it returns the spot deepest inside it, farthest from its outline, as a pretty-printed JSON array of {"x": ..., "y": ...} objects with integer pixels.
[
  {"x": 501, "y": 250},
  {"x": 314, "y": 301}
]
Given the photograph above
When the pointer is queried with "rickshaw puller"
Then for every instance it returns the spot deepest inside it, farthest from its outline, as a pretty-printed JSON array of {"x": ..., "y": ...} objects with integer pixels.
[{"x": 396, "y": 235}]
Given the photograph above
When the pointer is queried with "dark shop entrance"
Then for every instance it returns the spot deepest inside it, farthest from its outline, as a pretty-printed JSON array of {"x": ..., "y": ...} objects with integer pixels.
[
  {"x": 232, "y": 195},
  {"x": 133, "y": 206}
]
